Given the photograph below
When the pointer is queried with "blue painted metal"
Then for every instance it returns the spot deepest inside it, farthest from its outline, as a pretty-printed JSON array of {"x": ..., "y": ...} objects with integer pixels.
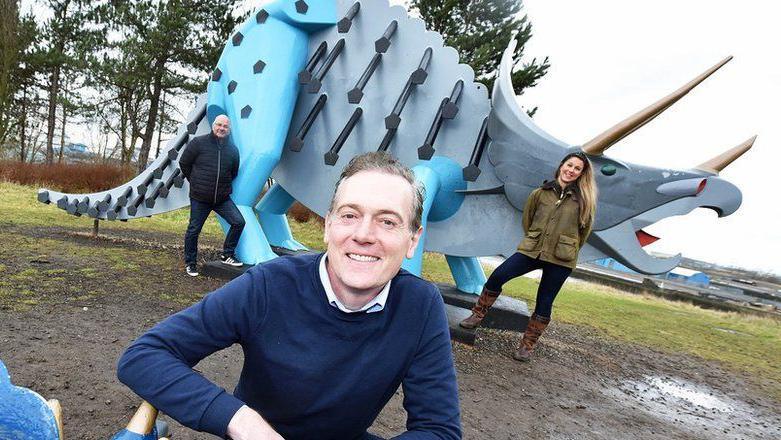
[
  {"x": 260, "y": 104},
  {"x": 271, "y": 212},
  {"x": 127, "y": 435},
  {"x": 428, "y": 178},
  {"x": 24, "y": 414},
  {"x": 467, "y": 273}
]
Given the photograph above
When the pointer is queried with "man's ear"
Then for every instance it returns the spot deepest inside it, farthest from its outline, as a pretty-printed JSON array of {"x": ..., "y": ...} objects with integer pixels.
[
  {"x": 327, "y": 225},
  {"x": 414, "y": 242}
]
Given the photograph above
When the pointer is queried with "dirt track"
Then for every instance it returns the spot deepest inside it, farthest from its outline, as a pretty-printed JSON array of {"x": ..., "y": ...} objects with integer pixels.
[{"x": 70, "y": 304}]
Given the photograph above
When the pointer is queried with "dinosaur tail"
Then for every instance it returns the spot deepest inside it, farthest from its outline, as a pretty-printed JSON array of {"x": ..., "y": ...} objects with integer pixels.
[{"x": 160, "y": 188}]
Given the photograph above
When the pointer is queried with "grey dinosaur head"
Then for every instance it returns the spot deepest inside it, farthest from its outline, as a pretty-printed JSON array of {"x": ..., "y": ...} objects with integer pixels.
[{"x": 631, "y": 196}]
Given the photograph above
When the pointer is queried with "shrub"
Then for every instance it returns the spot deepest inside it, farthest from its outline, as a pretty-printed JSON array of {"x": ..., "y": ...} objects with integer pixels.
[{"x": 71, "y": 178}]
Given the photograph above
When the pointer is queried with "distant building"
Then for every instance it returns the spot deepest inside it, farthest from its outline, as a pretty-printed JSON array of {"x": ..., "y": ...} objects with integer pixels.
[
  {"x": 688, "y": 276},
  {"x": 679, "y": 274}
]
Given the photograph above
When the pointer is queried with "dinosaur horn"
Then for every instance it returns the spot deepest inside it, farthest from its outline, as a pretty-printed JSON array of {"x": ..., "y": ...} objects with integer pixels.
[
  {"x": 599, "y": 144},
  {"x": 143, "y": 420},
  {"x": 721, "y": 161}
]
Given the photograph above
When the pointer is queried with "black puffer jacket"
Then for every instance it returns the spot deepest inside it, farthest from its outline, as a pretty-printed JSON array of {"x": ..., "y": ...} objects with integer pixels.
[{"x": 210, "y": 166}]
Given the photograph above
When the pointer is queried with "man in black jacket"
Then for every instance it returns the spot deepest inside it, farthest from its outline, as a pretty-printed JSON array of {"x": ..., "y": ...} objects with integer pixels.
[{"x": 210, "y": 163}]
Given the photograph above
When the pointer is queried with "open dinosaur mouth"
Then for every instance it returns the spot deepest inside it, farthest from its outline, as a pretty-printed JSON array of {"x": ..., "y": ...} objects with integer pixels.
[
  {"x": 645, "y": 238},
  {"x": 625, "y": 241}
]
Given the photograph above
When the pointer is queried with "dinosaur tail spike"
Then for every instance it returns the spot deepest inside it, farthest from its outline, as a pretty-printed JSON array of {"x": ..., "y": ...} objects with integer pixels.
[
  {"x": 614, "y": 134},
  {"x": 718, "y": 163}
]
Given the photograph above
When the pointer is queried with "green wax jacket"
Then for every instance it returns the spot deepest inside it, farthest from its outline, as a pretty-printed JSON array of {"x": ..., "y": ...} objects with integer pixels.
[{"x": 551, "y": 227}]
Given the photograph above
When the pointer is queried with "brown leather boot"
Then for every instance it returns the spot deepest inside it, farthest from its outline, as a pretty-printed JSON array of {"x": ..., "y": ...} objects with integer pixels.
[
  {"x": 486, "y": 300},
  {"x": 533, "y": 331}
]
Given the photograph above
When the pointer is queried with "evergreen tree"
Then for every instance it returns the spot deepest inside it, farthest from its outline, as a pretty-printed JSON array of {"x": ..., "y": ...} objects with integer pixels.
[
  {"x": 481, "y": 30},
  {"x": 172, "y": 46}
]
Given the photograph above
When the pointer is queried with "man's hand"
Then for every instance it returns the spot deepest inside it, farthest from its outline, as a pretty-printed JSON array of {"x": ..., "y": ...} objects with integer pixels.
[{"x": 247, "y": 424}]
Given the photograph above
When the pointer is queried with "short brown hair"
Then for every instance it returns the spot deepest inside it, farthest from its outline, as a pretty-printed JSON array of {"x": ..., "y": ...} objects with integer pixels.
[{"x": 385, "y": 163}]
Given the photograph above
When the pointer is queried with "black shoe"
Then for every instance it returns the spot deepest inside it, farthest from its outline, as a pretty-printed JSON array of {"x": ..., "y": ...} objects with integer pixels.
[
  {"x": 231, "y": 261},
  {"x": 191, "y": 270}
]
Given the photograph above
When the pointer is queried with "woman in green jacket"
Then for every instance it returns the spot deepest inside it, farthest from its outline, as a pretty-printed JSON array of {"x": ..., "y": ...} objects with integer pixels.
[{"x": 557, "y": 219}]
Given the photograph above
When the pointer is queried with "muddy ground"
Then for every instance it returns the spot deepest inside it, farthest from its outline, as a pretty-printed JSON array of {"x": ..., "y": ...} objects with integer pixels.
[{"x": 70, "y": 304}]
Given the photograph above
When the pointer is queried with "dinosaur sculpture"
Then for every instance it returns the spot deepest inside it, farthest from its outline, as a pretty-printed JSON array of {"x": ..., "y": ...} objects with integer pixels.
[{"x": 309, "y": 84}]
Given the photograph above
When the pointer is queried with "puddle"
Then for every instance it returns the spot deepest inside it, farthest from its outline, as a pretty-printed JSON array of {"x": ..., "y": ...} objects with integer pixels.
[
  {"x": 694, "y": 408},
  {"x": 730, "y": 331}
]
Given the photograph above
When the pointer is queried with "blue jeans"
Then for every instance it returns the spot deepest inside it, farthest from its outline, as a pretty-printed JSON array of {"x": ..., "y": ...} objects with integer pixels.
[
  {"x": 553, "y": 277},
  {"x": 199, "y": 211}
]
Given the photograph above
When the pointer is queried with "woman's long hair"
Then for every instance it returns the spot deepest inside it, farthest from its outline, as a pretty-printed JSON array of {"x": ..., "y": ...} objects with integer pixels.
[{"x": 587, "y": 187}]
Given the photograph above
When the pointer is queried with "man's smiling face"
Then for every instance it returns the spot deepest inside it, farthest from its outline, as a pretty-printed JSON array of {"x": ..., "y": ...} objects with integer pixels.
[{"x": 368, "y": 232}]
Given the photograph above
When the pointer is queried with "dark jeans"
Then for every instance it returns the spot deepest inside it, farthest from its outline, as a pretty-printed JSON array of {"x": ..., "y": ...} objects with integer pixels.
[
  {"x": 199, "y": 211},
  {"x": 553, "y": 277}
]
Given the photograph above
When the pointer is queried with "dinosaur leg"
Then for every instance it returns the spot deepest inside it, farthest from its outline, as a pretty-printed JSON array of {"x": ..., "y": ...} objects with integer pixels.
[
  {"x": 430, "y": 180},
  {"x": 271, "y": 212},
  {"x": 467, "y": 272}
]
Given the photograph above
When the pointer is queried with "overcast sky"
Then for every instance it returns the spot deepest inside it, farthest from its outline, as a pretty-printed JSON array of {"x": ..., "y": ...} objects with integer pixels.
[{"x": 611, "y": 58}]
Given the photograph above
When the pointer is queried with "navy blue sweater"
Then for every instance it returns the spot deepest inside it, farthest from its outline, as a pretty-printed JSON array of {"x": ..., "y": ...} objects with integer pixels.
[{"x": 311, "y": 370}]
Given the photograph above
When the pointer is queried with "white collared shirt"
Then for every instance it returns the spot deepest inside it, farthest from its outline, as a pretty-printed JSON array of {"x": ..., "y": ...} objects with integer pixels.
[{"x": 375, "y": 305}]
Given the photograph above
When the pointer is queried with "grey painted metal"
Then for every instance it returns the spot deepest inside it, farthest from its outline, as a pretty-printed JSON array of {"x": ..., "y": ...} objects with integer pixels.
[
  {"x": 300, "y": 172},
  {"x": 630, "y": 198}
]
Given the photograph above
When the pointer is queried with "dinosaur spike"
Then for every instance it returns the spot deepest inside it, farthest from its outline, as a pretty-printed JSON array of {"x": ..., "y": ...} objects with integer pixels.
[
  {"x": 150, "y": 201},
  {"x": 169, "y": 183},
  {"x": 298, "y": 141},
  {"x": 416, "y": 78},
  {"x": 103, "y": 204},
  {"x": 73, "y": 207},
  {"x": 143, "y": 420},
  {"x": 386, "y": 140},
  {"x": 133, "y": 208},
  {"x": 99, "y": 206},
  {"x": 43, "y": 196},
  {"x": 333, "y": 154},
  {"x": 355, "y": 95},
  {"x": 306, "y": 75},
  {"x": 426, "y": 151},
  {"x": 122, "y": 199},
  {"x": 383, "y": 43},
  {"x": 62, "y": 203},
  {"x": 317, "y": 80},
  {"x": 419, "y": 76},
  {"x": 472, "y": 171},
  {"x": 451, "y": 108},
  {"x": 608, "y": 138},
  {"x": 158, "y": 173},
  {"x": 345, "y": 23},
  {"x": 141, "y": 189},
  {"x": 718, "y": 163},
  {"x": 83, "y": 206}
]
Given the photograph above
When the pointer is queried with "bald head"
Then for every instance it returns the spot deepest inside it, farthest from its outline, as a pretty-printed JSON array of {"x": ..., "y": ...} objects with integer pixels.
[{"x": 221, "y": 127}]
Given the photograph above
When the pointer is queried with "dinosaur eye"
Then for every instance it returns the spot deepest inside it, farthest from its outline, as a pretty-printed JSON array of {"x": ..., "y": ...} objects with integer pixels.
[{"x": 608, "y": 170}]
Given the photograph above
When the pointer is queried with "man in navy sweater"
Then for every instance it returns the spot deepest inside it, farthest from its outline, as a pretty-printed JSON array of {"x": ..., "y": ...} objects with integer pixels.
[
  {"x": 327, "y": 338},
  {"x": 210, "y": 163}
]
